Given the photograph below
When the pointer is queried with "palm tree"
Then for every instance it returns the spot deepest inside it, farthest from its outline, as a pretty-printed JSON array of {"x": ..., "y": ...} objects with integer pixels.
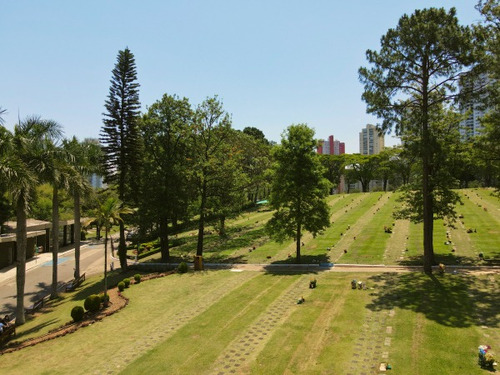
[
  {"x": 2, "y": 112},
  {"x": 56, "y": 168},
  {"x": 86, "y": 156},
  {"x": 19, "y": 165},
  {"x": 109, "y": 214}
]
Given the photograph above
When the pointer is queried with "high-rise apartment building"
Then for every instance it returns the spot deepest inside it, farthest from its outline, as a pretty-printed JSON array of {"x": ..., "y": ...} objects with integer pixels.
[
  {"x": 370, "y": 141},
  {"x": 331, "y": 146},
  {"x": 471, "y": 126}
]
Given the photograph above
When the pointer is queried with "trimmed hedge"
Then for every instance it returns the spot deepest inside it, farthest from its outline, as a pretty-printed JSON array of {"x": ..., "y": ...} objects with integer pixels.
[
  {"x": 182, "y": 268},
  {"x": 77, "y": 313},
  {"x": 92, "y": 303},
  {"x": 121, "y": 286}
]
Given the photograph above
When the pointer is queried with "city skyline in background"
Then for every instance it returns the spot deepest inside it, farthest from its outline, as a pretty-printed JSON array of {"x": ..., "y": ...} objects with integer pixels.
[{"x": 272, "y": 64}]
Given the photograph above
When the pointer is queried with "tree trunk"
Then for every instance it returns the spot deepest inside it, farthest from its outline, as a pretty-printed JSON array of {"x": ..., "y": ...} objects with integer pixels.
[
  {"x": 164, "y": 247},
  {"x": 21, "y": 259},
  {"x": 427, "y": 150},
  {"x": 222, "y": 224},
  {"x": 77, "y": 233},
  {"x": 364, "y": 186},
  {"x": 112, "y": 246},
  {"x": 299, "y": 237},
  {"x": 201, "y": 223},
  {"x": 122, "y": 248},
  {"x": 55, "y": 239},
  {"x": 106, "y": 262}
]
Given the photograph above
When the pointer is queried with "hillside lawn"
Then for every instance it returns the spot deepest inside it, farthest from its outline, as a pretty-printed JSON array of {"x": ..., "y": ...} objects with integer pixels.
[
  {"x": 213, "y": 322},
  {"x": 223, "y": 322}
]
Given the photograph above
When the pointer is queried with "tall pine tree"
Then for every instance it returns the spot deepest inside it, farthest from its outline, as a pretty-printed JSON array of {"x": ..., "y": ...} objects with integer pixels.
[{"x": 120, "y": 136}]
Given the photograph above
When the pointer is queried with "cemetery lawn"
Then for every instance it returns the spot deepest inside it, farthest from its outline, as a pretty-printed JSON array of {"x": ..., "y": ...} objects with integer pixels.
[{"x": 214, "y": 322}]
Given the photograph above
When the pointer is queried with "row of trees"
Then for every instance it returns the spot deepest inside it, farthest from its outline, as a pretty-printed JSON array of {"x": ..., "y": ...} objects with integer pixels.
[
  {"x": 32, "y": 154},
  {"x": 175, "y": 162}
]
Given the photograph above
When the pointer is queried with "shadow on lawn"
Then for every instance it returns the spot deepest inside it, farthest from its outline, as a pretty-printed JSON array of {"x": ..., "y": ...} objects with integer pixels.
[
  {"x": 450, "y": 259},
  {"x": 450, "y": 300},
  {"x": 21, "y": 334},
  {"x": 447, "y": 259},
  {"x": 290, "y": 266}
]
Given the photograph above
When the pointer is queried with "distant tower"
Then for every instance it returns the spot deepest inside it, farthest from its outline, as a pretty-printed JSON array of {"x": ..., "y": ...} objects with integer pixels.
[
  {"x": 370, "y": 141},
  {"x": 471, "y": 126},
  {"x": 330, "y": 146}
]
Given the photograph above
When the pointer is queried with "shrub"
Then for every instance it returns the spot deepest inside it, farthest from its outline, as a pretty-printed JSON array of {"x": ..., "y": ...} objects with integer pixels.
[
  {"x": 104, "y": 298},
  {"x": 92, "y": 303},
  {"x": 137, "y": 278},
  {"x": 182, "y": 268},
  {"x": 77, "y": 313},
  {"x": 126, "y": 282},
  {"x": 121, "y": 286}
]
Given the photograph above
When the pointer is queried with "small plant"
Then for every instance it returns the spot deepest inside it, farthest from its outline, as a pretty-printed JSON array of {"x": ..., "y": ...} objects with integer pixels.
[
  {"x": 126, "y": 282},
  {"x": 92, "y": 303},
  {"x": 77, "y": 313},
  {"x": 182, "y": 268},
  {"x": 121, "y": 286},
  {"x": 137, "y": 278}
]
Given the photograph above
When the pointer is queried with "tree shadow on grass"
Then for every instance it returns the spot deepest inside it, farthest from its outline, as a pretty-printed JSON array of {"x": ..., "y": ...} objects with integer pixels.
[
  {"x": 451, "y": 300},
  {"x": 447, "y": 259},
  {"x": 309, "y": 264},
  {"x": 21, "y": 334},
  {"x": 305, "y": 259},
  {"x": 92, "y": 287}
]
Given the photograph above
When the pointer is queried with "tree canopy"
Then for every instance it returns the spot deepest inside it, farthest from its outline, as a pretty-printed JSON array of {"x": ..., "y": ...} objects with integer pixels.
[
  {"x": 412, "y": 77},
  {"x": 298, "y": 188}
]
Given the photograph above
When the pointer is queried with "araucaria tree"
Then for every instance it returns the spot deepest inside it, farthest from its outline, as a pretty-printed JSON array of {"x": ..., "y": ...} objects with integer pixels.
[
  {"x": 413, "y": 76},
  {"x": 298, "y": 187},
  {"x": 120, "y": 136}
]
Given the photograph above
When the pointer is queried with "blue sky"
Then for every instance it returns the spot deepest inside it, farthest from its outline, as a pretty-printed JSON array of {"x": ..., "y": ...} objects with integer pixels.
[{"x": 273, "y": 63}]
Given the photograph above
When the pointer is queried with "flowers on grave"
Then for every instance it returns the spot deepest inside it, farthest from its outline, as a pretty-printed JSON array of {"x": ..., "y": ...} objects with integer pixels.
[
  {"x": 354, "y": 284},
  {"x": 442, "y": 268},
  {"x": 312, "y": 283},
  {"x": 486, "y": 358}
]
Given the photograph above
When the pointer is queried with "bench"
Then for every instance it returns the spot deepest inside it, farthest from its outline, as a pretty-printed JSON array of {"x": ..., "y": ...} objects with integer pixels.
[
  {"x": 37, "y": 305},
  {"x": 72, "y": 285},
  {"x": 7, "y": 333}
]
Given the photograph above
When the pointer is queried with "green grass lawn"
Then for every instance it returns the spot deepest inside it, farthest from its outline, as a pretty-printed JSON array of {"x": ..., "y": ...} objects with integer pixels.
[{"x": 249, "y": 322}]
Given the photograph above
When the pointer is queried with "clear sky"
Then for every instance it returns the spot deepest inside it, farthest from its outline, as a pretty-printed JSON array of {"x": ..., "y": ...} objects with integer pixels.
[{"x": 273, "y": 63}]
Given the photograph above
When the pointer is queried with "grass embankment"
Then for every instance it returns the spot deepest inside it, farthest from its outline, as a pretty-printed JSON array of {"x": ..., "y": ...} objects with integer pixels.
[{"x": 58, "y": 312}]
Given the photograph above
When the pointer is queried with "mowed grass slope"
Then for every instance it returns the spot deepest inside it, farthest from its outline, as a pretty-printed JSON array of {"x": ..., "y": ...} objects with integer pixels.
[
  {"x": 218, "y": 321},
  {"x": 356, "y": 235}
]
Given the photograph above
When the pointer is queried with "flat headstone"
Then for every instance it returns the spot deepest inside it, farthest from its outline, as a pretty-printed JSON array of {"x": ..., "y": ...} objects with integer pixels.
[
  {"x": 385, "y": 355},
  {"x": 388, "y": 330},
  {"x": 387, "y": 341}
]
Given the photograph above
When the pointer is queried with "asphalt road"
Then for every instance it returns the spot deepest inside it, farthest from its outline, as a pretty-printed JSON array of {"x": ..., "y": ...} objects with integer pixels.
[{"x": 39, "y": 277}]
